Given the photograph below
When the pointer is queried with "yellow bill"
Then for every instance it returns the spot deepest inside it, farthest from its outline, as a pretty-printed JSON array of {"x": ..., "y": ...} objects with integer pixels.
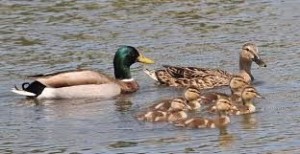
[{"x": 145, "y": 60}]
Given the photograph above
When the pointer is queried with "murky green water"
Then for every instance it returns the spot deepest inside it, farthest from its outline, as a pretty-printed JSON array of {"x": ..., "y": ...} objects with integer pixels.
[{"x": 40, "y": 36}]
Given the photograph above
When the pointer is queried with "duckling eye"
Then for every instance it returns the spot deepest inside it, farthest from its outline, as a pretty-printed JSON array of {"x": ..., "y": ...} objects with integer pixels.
[{"x": 247, "y": 49}]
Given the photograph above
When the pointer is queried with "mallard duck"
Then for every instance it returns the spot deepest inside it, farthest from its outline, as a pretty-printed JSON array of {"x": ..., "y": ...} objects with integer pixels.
[
  {"x": 163, "y": 116},
  {"x": 205, "y": 78},
  {"x": 87, "y": 83},
  {"x": 236, "y": 84},
  {"x": 172, "y": 109},
  {"x": 222, "y": 106},
  {"x": 153, "y": 116},
  {"x": 176, "y": 115},
  {"x": 246, "y": 105},
  {"x": 189, "y": 101},
  {"x": 247, "y": 96}
]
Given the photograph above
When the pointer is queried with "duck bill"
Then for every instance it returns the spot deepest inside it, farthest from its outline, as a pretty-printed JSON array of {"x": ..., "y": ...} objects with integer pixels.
[
  {"x": 143, "y": 59},
  {"x": 258, "y": 95},
  {"x": 259, "y": 62}
]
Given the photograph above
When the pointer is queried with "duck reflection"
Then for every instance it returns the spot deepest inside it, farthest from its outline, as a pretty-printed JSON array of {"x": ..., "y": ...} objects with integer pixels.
[
  {"x": 249, "y": 121},
  {"x": 225, "y": 139}
]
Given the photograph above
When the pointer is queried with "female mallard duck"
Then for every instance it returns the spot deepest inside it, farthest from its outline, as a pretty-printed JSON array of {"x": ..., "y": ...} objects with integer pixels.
[
  {"x": 222, "y": 106},
  {"x": 204, "y": 78},
  {"x": 86, "y": 83}
]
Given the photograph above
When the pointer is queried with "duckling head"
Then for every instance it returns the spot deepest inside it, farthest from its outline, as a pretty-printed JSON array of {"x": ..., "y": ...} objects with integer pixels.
[
  {"x": 191, "y": 93},
  {"x": 179, "y": 104},
  {"x": 237, "y": 82},
  {"x": 249, "y": 93},
  {"x": 224, "y": 104},
  {"x": 192, "y": 96}
]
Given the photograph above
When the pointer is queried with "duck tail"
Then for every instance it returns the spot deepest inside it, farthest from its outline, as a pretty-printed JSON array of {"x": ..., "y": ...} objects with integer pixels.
[
  {"x": 29, "y": 89},
  {"x": 152, "y": 74}
]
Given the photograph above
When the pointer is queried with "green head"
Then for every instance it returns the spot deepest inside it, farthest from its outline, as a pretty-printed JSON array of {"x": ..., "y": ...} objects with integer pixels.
[{"x": 124, "y": 58}]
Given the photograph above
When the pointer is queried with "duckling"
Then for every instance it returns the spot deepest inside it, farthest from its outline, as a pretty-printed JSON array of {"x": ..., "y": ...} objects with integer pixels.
[
  {"x": 204, "y": 78},
  {"x": 192, "y": 96},
  {"x": 153, "y": 116},
  {"x": 176, "y": 115},
  {"x": 236, "y": 84},
  {"x": 169, "y": 104},
  {"x": 189, "y": 101},
  {"x": 87, "y": 83},
  {"x": 172, "y": 109},
  {"x": 222, "y": 106},
  {"x": 248, "y": 94},
  {"x": 163, "y": 116}
]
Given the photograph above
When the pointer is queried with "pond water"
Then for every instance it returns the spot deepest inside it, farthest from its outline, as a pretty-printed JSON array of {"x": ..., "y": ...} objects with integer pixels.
[{"x": 39, "y": 36}]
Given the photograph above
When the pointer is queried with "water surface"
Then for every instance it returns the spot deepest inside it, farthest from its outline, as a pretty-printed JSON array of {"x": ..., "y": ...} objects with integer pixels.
[{"x": 41, "y": 36}]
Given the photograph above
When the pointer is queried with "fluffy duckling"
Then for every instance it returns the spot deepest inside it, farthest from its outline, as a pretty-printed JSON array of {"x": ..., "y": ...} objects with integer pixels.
[
  {"x": 87, "y": 83},
  {"x": 153, "y": 116},
  {"x": 170, "y": 104},
  {"x": 237, "y": 83},
  {"x": 176, "y": 115},
  {"x": 204, "y": 78},
  {"x": 222, "y": 106},
  {"x": 172, "y": 109},
  {"x": 189, "y": 101},
  {"x": 163, "y": 116},
  {"x": 248, "y": 94}
]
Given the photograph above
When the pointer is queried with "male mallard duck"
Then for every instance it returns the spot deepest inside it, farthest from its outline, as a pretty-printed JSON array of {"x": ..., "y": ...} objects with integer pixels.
[
  {"x": 86, "y": 83},
  {"x": 204, "y": 78},
  {"x": 222, "y": 106}
]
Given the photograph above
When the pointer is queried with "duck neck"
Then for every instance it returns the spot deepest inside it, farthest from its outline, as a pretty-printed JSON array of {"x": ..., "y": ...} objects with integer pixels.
[
  {"x": 236, "y": 91},
  {"x": 249, "y": 105},
  {"x": 194, "y": 104},
  {"x": 245, "y": 68},
  {"x": 122, "y": 70}
]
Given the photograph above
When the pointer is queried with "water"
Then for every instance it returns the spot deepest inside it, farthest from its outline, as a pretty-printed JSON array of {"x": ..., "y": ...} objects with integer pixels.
[{"x": 41, "y": 36}]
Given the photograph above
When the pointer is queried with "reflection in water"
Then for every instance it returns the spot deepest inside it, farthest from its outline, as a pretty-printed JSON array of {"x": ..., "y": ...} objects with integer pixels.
[
  {"x": 123, "y": 103},
  {"x": 42, "y": 36},
  {"x": 249, "y": 121},
  {"x": 226, "y": 140}
]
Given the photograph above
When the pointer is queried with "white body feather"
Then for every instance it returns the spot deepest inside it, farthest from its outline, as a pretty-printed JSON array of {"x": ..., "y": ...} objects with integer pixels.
[{"x": 104, "y": 91}]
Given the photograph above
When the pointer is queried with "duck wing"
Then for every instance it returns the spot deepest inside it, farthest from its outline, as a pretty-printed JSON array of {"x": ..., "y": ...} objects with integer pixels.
[
  {"x": 193, "y": 72},
  {"x": 73, "y": 78}
]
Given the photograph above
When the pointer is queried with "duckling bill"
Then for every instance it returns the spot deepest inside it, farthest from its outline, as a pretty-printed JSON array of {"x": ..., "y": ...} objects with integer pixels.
[{"x": 87, "y": 83}]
